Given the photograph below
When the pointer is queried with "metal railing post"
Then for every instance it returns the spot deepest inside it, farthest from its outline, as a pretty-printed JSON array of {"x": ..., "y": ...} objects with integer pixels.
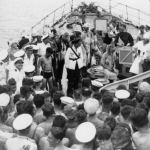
[
  {"x": 139, "y": 16},
  {"x": 63, "y": 10},
  {"x": 127, "y": 11},
  {"x": 110, "y": 6},
  {"x": 54, "y": 17},
  {"x": 44, "y": 26}
]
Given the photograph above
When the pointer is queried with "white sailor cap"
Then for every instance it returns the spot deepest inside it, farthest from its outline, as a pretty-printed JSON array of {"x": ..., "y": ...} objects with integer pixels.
[
  {"x": 97, "y": 84},
  {"x": 86, "y": 25},
  {"x": 19, "y": 53},
  {"x": 91, "y": 105},
  {"x": 146, "y": 35},
  {"x": 122, "y": 94},
  {"x": 4, "y": 99},
  {"x": 36, "y": 34},
  {"x": 28, "y": 47},
  {"x": 85, "y": 132},
  {"x": 37, "y": 78},
  {"x": 44, "y": 36},
  {"x": 39, "y": 92},
  {"x": 29, "y": 68},
  {"x": 35, "y": 47},
  {"x": 66, "y": 100},
  {"x": 3, "y": 54},
  {"x": 22, "y": 122},
  {"x": 18, "y": 59}
]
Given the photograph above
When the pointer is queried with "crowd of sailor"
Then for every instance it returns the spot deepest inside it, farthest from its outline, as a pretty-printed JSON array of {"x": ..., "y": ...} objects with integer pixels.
[{"x": 37, "y": 113}]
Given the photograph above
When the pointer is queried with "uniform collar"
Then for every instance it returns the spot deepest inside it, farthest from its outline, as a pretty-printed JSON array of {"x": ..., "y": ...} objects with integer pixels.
[
  {"x": 18, "y": 70},
  {"x": 25, "y": 137},
  {"x": 22, "y": 137}
]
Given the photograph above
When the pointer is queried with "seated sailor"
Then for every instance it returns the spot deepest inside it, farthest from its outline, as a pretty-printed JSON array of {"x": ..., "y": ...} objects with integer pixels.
[{"x": 108, "y": 63}]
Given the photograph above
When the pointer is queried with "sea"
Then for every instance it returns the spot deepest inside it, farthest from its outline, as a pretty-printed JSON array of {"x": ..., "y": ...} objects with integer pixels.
[{"x": 17, "y": 16}]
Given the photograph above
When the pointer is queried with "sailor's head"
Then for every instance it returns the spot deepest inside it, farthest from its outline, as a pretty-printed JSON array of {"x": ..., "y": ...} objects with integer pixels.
[
  {"x": 147, "y": 28},
  {"x": 28, "y": 50},
  {"x": 49, "y": 52},
  {"x": 18, "y": 62},
  {"x": 86, "y": 26},
  {"x": 66, "y": 37},
  {"x": 45, "y": 38},
  {"x": 75, "y": 41},
  {"x": 122, "y": 27},
  {"x": 141, "y": 28},
  {"x": 29, "y": 70}
]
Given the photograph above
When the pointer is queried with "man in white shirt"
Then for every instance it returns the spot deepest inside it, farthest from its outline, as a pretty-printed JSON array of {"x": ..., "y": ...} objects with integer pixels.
[
  {"x": 29, "y": 56},
  {"x": 22, "y": 124},
  {"x": 73, "y": 63},
  {"x": 18, "y": 73},
  {"x": 43, "y": 46}
]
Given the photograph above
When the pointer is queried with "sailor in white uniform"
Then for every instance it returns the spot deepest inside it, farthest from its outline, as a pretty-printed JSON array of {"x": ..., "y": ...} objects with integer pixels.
[
  {"x": 17, "y": 73},
  {"x": 29, "y": 56},
  {"x": 22, "y": 124},
  {"x": 4, "y": 60},
  {"x": 74, "y": 63},
  {"x": 29, "y": 71},
  {"x": 43, "y": 46},
  {"x": 38, "y": 84},
  {"x": 11, "y": 66}
]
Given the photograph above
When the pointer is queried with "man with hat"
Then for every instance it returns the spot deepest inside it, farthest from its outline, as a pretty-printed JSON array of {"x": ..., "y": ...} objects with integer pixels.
[
  {"x": 87, "y": 40},
  {"x": 91, "y": 106},
  {"x": 43, "y": 45},
  {"x": 45, "y": 62},
  {"x": 19, "y": 53},
  {"x": 74, "y": 63},
  {"x": 4, "y": 60},
  {"x": 29, "y": 56},
  {"x": 38, "y": 84},
  {"x": 22, "y": 124},
  {"x": 36, "y": 56},
  {"x": 62, "y": 44},
  {"x": 11, "y": 66},
  {"x": 85, "y": 133},
  {"x": 29, "y": 71},
  {"x": 17, "y": 73}
]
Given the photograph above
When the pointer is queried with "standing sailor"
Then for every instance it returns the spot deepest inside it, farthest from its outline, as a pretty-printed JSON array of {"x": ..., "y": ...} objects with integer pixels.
[
  {"x": 45, "y": 62},
  {"x": 73, "y": 63},
  {"x": 86, "y": 40},
  {"x": 4, "y": 60},
  {"x": 29, "y": 56},
  {"x": 17, "y": 73},
  {"x": 36, "y": 57},
  {"x": 44, "y": 45}
]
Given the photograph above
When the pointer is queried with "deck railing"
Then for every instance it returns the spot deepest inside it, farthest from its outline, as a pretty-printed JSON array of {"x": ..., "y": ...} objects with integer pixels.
[{"x": 126, "y": 12}]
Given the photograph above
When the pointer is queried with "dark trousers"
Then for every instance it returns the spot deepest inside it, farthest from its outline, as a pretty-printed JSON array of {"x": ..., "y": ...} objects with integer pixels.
[
  {"x": 146, "y": 67},
  {"x": 60, "y": 72},
  {"x": 73, "y": 79}
]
